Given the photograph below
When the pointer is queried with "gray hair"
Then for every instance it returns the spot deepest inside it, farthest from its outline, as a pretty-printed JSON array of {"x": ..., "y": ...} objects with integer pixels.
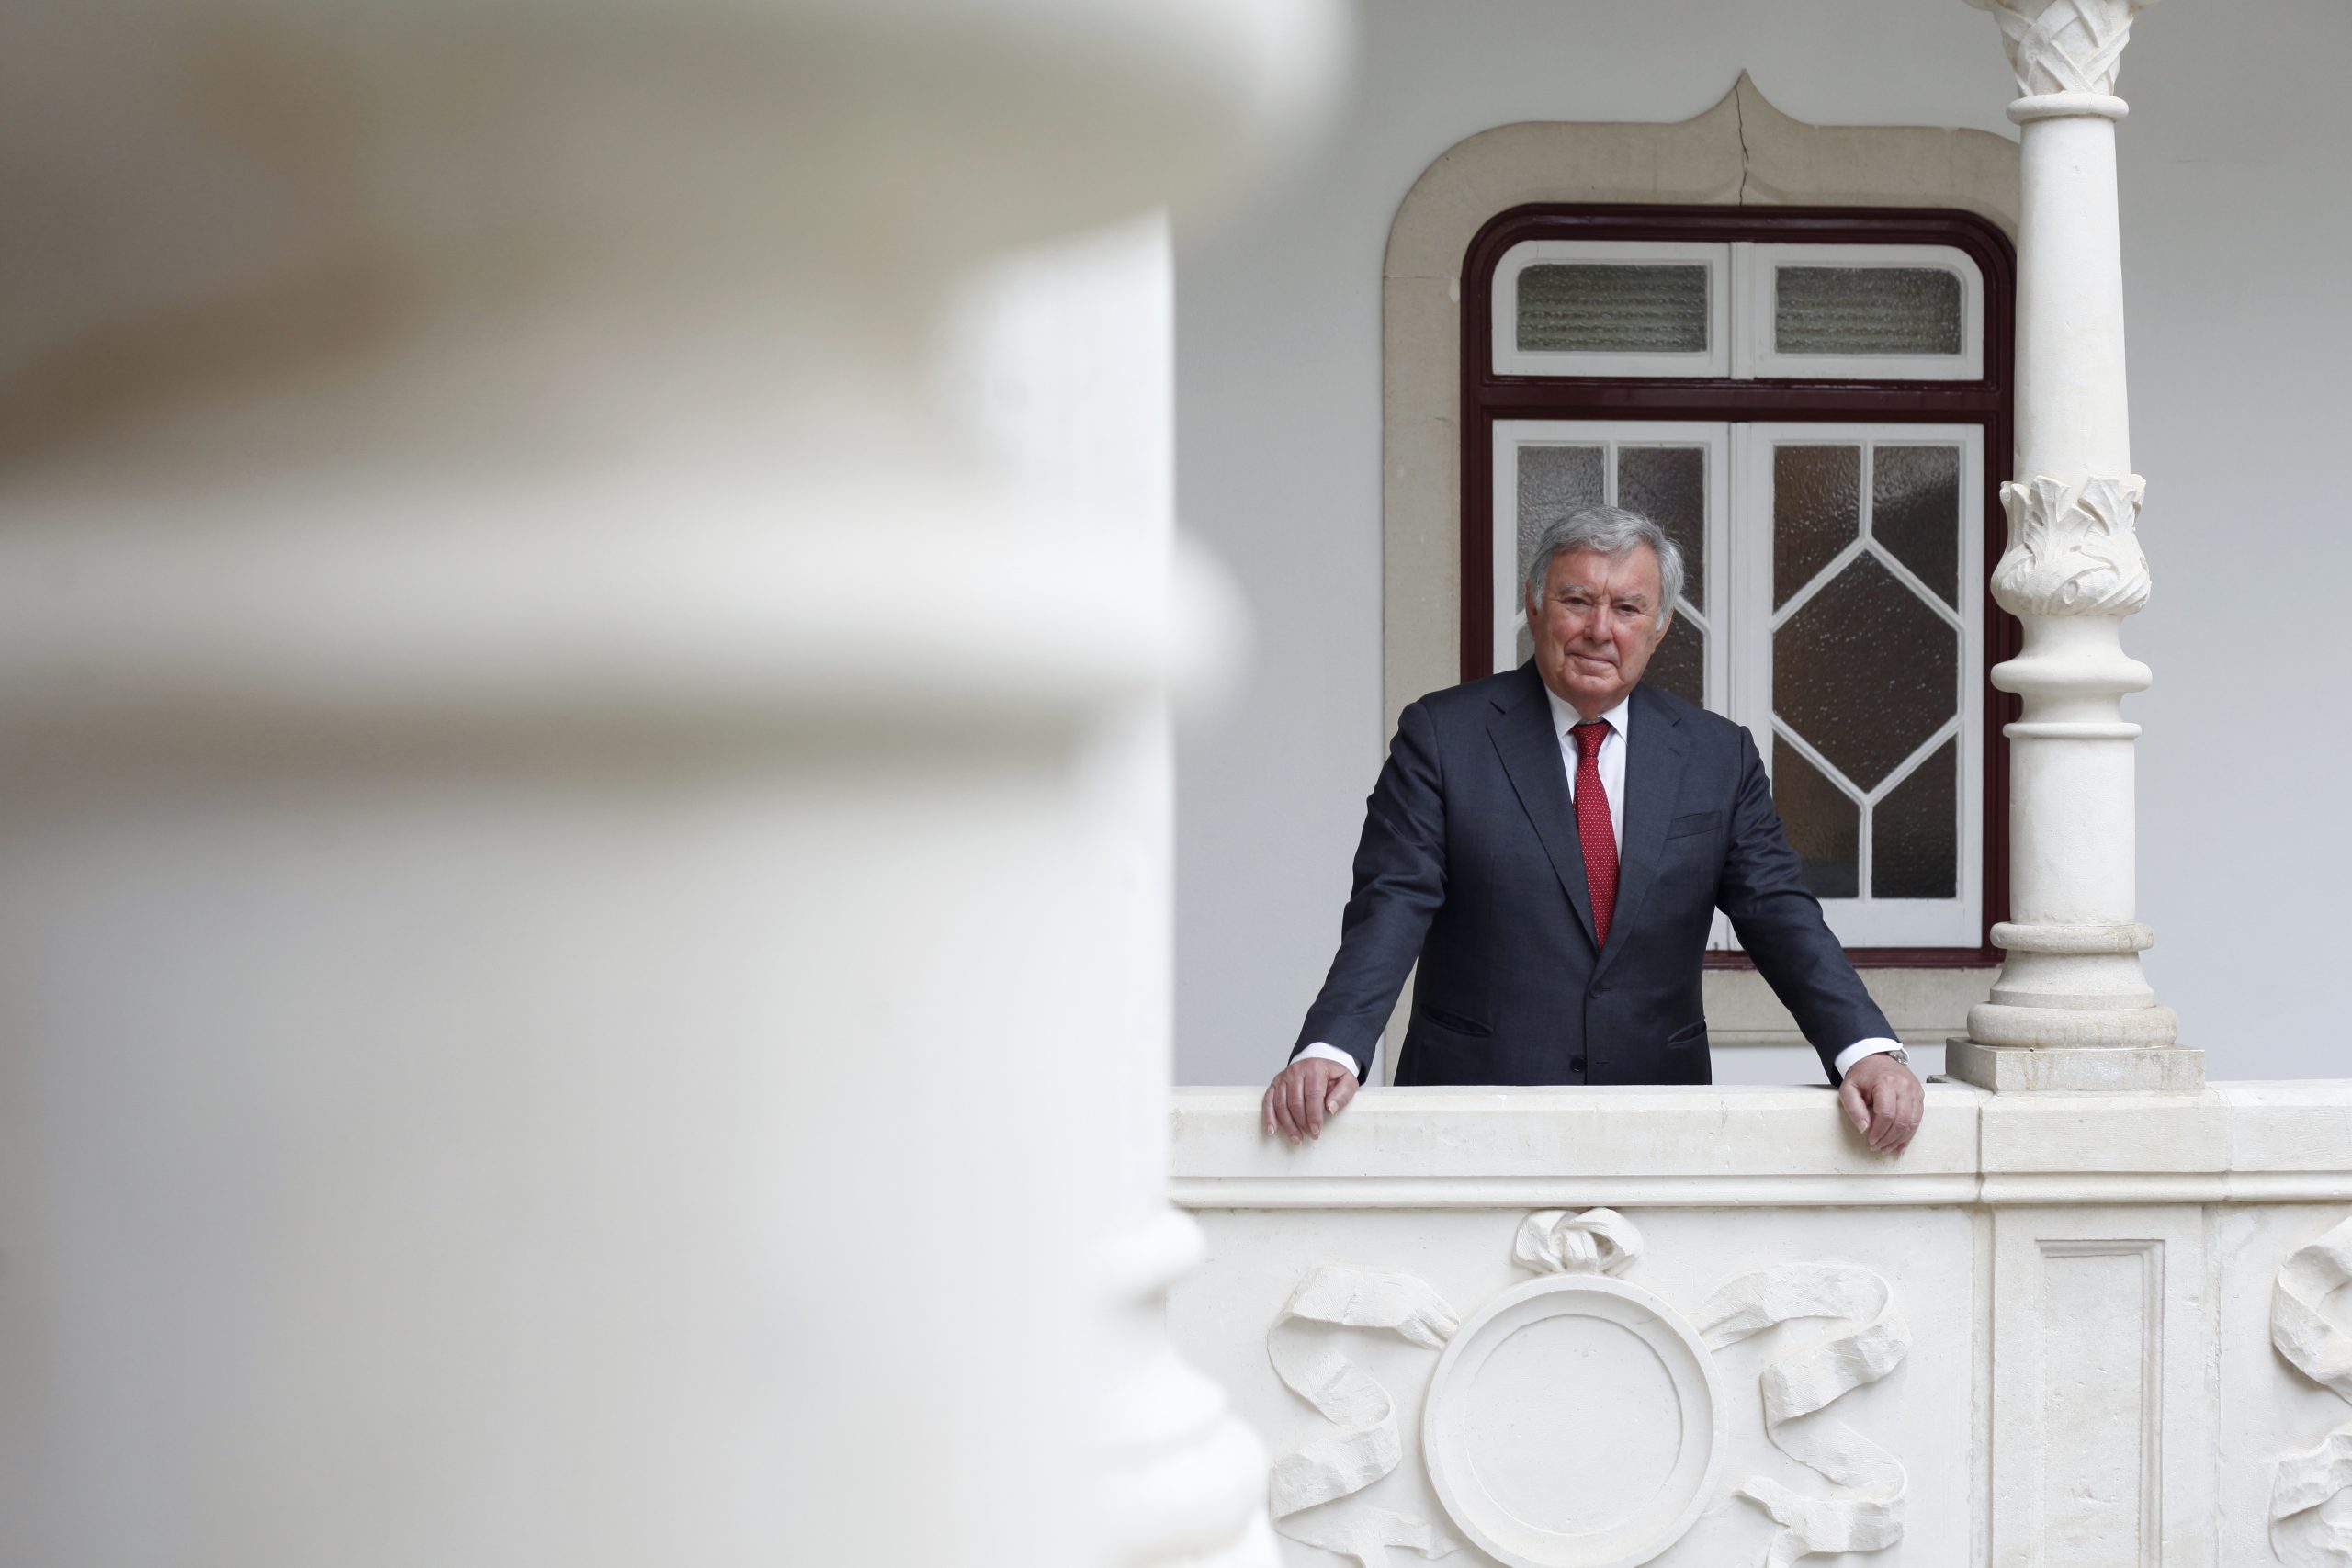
[{"x": 1610, "y": 531}]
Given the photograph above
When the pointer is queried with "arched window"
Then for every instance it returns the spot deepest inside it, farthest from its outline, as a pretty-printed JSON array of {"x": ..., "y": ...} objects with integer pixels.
[{"x": 1817, "y": 403}]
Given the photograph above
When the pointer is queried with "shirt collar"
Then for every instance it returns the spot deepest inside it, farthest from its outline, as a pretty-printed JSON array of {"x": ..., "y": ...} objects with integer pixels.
[{"x": 1564, "y": 717}]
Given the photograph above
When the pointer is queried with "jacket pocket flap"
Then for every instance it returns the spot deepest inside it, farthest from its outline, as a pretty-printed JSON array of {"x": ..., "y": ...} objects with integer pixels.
[{"x": 1451, "y": 1022}]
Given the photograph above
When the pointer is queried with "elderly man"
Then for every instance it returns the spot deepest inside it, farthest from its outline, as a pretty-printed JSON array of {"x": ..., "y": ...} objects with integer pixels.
[{"x": 1552, "y": 844}]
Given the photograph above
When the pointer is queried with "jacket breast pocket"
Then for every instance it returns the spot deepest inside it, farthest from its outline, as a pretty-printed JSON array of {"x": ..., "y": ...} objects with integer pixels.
[{"x": 1697, "y": 822}]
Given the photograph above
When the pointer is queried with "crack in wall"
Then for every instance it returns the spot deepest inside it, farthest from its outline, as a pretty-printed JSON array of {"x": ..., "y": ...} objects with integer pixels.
[{"x": 1739, "y": 118}]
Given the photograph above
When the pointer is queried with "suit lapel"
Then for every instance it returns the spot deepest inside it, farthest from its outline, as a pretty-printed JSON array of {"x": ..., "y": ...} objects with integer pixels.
[
  {"x": 1530, "y": 757},
  {"x": 1652, "y": 780}
]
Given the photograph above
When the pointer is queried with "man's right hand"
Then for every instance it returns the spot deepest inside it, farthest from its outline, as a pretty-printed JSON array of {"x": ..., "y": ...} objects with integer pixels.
[{"x": 1305, "y": 1092}]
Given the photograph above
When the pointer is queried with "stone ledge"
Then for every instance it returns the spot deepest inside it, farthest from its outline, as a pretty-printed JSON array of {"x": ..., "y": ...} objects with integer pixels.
[{"x": 1755, "y": 1146}]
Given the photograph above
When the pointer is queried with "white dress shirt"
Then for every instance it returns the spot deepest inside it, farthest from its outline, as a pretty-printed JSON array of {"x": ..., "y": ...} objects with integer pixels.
[{"x": 1613, "y": 785}]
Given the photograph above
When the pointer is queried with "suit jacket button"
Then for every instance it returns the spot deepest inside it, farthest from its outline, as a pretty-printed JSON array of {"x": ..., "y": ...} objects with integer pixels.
[
  {"x": 1599, "y": 986},
  {"x": 1575, "y": 1064}
]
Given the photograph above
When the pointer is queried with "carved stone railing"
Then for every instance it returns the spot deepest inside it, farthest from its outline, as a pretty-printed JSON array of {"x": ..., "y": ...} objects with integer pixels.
[{"x": 1570, "y": 1328}]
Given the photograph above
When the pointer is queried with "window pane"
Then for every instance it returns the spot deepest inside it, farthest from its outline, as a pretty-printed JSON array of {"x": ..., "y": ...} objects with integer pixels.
[
  {"x": 1679, "y": 665},
  {"x": 1866, "y": 671},
  {"x": 1817, "y": 512},
  {"x": 1822, "y": 822},
  {"x": 1867, "y": 310},
  {"x": 1590, "y": 308},
  {"x": 1553, "y": 482},
  {"x": 1914, "y": 833},
  {"x": 1914, "y": 512},
  {"x": 1668, "y": 485}
]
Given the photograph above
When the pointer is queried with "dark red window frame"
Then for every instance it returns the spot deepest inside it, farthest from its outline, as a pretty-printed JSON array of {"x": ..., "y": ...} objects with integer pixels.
[{"x": 1487, "y": 397}]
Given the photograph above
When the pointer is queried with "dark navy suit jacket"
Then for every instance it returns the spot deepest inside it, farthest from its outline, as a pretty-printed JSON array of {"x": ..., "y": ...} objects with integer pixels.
[{"x": 1470, "y": 862}]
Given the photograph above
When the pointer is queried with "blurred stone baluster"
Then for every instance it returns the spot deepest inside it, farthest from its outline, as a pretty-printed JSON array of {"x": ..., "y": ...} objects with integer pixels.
[{"x": 579, "y": 872}]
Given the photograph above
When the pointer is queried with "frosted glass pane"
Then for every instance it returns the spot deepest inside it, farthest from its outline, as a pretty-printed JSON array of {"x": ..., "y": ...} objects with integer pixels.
[
  {"x": 1595, "y": 308},
  {"x": 1679, "y": 665},
  {"x": 1866, "y": 671},
  {"x": 1867, "y": 310},
  {"x": 1914, "y": 512},
  {"x": 1824, "y": 824},
  {"x": 1914, "y": 833},
  {"x": 1817, "y": 512},
  {"x": 1668, "y": 485},
  {"x": 1553, "y": 482}
]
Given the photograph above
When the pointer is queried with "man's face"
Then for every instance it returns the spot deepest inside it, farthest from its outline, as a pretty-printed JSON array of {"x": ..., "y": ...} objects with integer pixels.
[{"x": 1597, "y": 626}]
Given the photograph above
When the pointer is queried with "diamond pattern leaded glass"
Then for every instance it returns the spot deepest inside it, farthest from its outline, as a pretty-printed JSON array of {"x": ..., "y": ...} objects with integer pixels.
[
  {"x": 1914, "y": 512},
  {"x": 1817, "y": 512},
  {"x": 1866, "y": 671},
  {"x": 1679, "y": 665},
  {"x": 1598, "y": 308},
  {"x": 1866, "y": 664},
  {"x": 1553, "y": 482},
  {"x": 1669, "y": 484},
  {"x": 1914, "y": 831},
  {"x": 1824, "y": 826}
]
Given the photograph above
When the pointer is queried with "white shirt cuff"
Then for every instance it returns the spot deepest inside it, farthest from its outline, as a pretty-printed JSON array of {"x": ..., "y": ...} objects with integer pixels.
[
  {"x": 1861, "y": 1048},
  {"x": 1318, "y": 1052}
]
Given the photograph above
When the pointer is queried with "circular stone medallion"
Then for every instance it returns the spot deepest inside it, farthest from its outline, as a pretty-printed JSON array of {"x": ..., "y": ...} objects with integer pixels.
[{"x": 1573, "y": 1423}]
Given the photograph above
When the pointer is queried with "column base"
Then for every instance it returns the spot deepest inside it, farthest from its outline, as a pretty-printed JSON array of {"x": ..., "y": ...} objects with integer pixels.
[
  {"x": 2046, "y": 1027},
  {"x": 2087, "y": 1069}
]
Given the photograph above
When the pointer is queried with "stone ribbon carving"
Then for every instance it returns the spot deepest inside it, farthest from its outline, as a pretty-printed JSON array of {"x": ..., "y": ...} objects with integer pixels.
[
  {"x": 1599, "y": 1241},
  {"x": 2073, "y": 552},
  {"x": 2319, "y": 1346},
  {"x": 2063, "y": 46},
  {"x": 1798, "y": 1389},
  {"x": 1366, "y": 1447}
]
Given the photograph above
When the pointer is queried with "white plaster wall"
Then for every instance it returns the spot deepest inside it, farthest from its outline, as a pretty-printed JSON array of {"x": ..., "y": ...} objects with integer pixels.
[{"x": 2235, "y": 240}]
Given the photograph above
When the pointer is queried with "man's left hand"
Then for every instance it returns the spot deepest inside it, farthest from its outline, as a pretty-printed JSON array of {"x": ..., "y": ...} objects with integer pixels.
[{"x": 1884, "y": 1101}]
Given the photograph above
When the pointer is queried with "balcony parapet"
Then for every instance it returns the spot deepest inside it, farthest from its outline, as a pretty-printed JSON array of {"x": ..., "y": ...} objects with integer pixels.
[
  {"x": 1743, "y": 1145},
  {"x": 2059, "y": 1327}
]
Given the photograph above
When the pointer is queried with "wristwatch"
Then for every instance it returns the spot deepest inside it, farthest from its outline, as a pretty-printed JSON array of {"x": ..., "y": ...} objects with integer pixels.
[{"x": 1899, "y": 1054}]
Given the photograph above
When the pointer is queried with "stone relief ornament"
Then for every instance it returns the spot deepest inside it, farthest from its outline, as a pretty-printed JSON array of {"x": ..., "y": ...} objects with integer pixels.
[
  {"x": 1599, "y": 1241},
  {"x": 1800, "y": 1387},
  {"x": 1507, "y": 1422},
  {"x": 2073, "y": 552},
  {"x": 1366, "y": 1447},
  {"x": 2318, "y": 1346},
  {"x": 2063, "y": 46}
]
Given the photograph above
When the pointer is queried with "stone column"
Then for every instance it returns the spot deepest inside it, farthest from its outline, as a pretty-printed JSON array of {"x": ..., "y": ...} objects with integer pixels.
[
  {"x": 2071, "y": 1009},
  {"x": 580, "y": 880}
]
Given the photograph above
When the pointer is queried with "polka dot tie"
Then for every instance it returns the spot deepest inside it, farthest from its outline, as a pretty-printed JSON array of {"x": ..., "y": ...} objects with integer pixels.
[{"x": 1592, "y": 825}]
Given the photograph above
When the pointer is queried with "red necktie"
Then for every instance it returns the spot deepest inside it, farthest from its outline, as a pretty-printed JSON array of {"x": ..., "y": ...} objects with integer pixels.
[{"x": 1592, "y": 826}]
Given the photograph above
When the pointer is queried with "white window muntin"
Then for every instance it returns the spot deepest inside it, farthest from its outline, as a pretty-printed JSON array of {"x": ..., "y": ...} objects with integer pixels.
[
  {"x": 1512, "y": 436},
  {"x": 1756, "y": 272},
  {"x": 1866, "y": 921},
  {"x": 1511, "y": 360}
]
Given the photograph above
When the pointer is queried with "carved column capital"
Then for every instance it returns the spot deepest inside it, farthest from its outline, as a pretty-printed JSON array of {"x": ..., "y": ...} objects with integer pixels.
[
  {"x": 2072, "y": 549},
  {"x": 2064, "y": 46}
]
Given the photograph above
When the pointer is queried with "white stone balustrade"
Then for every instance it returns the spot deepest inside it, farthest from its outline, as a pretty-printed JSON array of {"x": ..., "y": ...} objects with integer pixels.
[{"x": 2091, "y": 1330}]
